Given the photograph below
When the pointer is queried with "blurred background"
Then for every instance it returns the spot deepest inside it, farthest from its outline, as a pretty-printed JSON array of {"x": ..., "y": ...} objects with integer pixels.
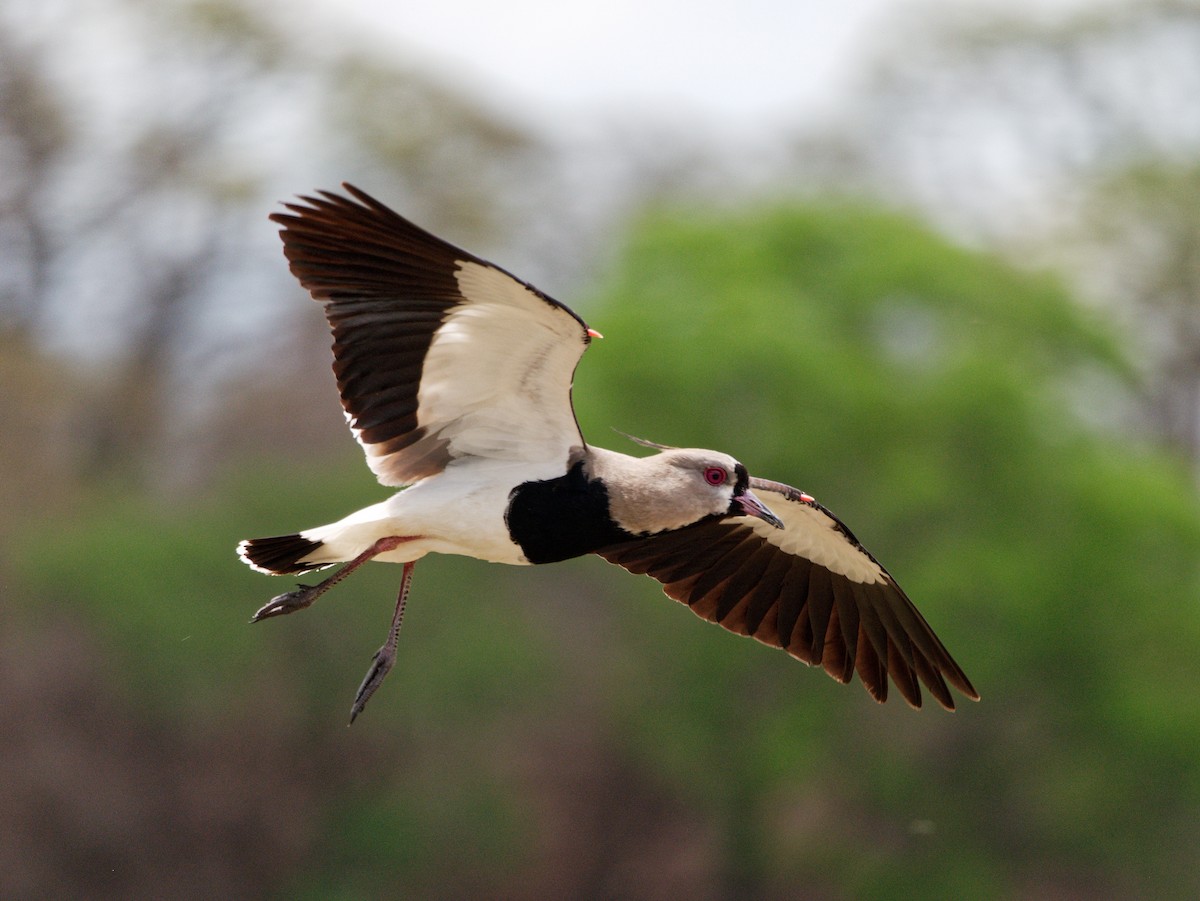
[{"x": 937, "y": 264}]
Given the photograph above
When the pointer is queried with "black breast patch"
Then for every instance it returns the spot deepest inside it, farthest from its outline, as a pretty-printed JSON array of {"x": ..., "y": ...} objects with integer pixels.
[{"x": 557, "y": 519}]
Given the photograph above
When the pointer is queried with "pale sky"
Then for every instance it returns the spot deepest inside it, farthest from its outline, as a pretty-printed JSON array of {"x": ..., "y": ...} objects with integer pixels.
[
  {"x": 745, "y": 64},
  {"x": 749, "y": 66}
]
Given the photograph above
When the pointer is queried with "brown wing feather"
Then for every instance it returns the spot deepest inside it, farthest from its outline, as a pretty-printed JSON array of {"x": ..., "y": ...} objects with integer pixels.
[
  {"x": 730, "y": 574},
  {"x": 388, "y": 287}
]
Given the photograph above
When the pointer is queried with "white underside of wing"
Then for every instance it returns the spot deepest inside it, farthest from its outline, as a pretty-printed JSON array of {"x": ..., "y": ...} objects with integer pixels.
[
  {"x": 497, "y": 378},
  {"x": 810, "y": 533}
]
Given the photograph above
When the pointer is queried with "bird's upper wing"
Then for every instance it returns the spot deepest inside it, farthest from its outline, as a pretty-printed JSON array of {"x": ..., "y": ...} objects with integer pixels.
[
  {"x": 438, "y": 354},
  {"x": 809, "y": 588}
]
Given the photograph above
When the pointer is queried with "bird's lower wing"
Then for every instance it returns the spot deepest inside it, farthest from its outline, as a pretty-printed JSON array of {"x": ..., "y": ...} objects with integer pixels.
[{"x": 809, "y": 588}]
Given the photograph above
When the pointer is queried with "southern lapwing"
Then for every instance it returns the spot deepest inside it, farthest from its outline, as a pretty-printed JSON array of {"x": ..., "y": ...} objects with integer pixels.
[{"x": 455, "y": 377}]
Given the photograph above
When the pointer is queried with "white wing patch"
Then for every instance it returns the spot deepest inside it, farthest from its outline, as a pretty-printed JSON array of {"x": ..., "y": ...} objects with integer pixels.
[
  {"x": 497, "y": 377},
  {"x": 811, "y": 533}
]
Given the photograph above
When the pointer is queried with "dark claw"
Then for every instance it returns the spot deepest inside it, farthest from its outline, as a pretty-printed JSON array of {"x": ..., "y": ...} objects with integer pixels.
[
  {"x": 290, "y": 602},
  {"x": 381, "y": 665}
]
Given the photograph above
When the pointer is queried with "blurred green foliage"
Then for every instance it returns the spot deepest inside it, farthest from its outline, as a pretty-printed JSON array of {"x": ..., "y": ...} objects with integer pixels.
[
  {"x": 566, "y": 729},
  {"x": 936, "y": 399}
]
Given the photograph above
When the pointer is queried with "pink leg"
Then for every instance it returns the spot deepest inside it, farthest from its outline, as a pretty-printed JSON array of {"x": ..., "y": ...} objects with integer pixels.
[
  {"x": 304, "y": 595},
  {"x": 385, "y": 657}
]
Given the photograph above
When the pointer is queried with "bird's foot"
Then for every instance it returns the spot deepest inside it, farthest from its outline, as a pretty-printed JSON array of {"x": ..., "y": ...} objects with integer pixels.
[
  {"x": 381, "y": 665},
  {"x": 289, "y": 602}
]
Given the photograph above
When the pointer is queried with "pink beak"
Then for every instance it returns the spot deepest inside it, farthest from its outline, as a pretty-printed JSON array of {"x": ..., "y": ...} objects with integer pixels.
[{"x": 752, "y": 506}]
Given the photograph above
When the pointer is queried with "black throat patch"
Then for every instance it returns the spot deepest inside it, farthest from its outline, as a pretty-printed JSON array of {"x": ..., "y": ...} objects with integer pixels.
[{"x": 557, "y": 519}]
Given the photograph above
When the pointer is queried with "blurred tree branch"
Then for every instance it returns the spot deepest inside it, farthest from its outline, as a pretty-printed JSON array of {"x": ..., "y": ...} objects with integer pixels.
[
  {"x": 1069, "y": 139},
  {"x": 33, "y": 133},
  {"x": 1139, "y": 248},
  {"x": 132, "y": 207}
]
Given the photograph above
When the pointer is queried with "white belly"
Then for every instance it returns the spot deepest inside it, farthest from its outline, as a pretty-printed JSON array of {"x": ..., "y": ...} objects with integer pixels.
[{"x": 459, "y": 511}]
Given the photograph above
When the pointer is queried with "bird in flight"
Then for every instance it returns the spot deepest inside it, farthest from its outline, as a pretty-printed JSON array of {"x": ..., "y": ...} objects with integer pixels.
[{"x": 455, "y": 378}]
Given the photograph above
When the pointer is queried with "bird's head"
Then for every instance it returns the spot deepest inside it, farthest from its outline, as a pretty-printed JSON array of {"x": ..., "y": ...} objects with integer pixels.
[{"x": 681, "y": 486}]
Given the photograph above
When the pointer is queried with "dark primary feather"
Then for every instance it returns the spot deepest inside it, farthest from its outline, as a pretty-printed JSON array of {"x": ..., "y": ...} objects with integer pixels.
[
  {"x": 730, "y": 574},
  {"x": 387, "y": 286}
]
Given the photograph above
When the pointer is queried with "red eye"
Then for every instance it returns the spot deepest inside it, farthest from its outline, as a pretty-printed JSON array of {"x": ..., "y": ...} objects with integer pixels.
[{"x": 714, "y": 475}]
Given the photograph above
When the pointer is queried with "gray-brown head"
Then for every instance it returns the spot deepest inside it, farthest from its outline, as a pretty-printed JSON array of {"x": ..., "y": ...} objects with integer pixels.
[{"x": 675, "y": 488}]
